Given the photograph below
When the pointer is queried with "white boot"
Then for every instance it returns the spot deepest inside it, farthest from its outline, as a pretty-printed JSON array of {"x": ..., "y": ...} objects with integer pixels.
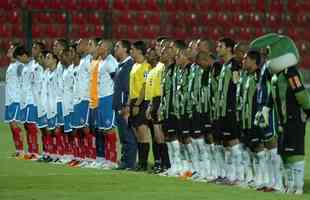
[{"x": 277, "y": 173}]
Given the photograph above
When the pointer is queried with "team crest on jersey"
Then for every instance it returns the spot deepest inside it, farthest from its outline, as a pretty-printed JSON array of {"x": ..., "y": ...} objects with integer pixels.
[
  {"x": 145, "y": 75},
  {"x": 107, "y": 122}
]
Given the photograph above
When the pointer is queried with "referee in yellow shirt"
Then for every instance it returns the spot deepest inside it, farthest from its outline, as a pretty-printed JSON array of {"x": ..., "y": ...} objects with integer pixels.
[{"x": 137, "y": 101}]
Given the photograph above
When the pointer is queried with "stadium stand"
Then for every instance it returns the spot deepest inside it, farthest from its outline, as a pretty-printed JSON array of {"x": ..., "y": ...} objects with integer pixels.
[{"x": 148, "y": 19}]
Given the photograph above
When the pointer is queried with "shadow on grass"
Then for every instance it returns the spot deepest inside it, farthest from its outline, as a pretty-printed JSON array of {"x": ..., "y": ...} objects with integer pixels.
[{"x": 307, "y": 186}]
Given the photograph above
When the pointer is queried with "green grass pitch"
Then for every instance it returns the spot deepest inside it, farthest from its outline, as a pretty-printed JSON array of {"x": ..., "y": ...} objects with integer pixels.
[{"x": 28, "y": 180}]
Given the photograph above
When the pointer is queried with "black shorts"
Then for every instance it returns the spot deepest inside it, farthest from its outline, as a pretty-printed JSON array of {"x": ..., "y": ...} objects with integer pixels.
[
  {"x": 252, "y": 138},
  {"x": 140, "y": 118},
  {"x": 155, "y": 107},
  {"x": 216, "y": 131},
  {"x": 197, "y": 123},
  {"x": 293, "y": 138},
  {"x": 228, "y": 127},
  {"x": 206, "y": 123},
  {"x": 170, "y": 125},
  {"x": 184, "y": 125}
]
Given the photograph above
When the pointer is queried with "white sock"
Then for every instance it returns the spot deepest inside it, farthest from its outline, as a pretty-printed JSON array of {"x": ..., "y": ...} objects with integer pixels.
[
  {"x": 192, "y": 157},
  {"x": 247, "y": 165},
  {"x": 236, "y": 155},
  {"x": 298, "y": 173},
  {"x": 261, "y": 169},
  {"x": 290, "y": 178},
  {"x": 220, "y": 156},
  {"x": 170, "y": 154},
  {"x": 276, "y": 163},
  {"x": 230, "y": 170},
  {"x": 177, "y": 154},
  {"x": 204, "y": 157}
]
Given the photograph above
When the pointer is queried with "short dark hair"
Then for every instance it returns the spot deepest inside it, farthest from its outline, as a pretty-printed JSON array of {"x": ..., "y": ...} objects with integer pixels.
[
  {"x": 255, "y": 55},
  {"x": 140, "y": 45},
  {"x": 19, "y": 51},
  {"x": 39, "y": 44},
  {"x": 96, "y": 40},
  {"x": 159, "y": 39},
  {"x": 53, "y": 55},
  {"x": 180, "y": 44},
  {"x": 63, "y": 42},
  {"x": 230, "y": 43},
  {"x": 127, "y": 45}
]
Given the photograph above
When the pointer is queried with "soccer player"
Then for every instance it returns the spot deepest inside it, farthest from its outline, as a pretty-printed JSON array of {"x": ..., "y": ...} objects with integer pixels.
[
  {"x": 28, "y": 112},
  {"x": 121, "y": 106},
  {"x": 105, "y": 113},
  {"x": 58, "y": 47},
  {"x": 39, "y": 91},
  {"x": 51, "y": 61},
  {"x": 226, "y": 107},
  {"x": 93, "y": 105},
  {"x": 12, "y": 99},
  {"x": 67, "y": 57},
  {"x": 80, "y": 118},
  {"x": 137, "y": 103},
  {"x": 167, "y": 108},
  {"x": 205, "y": 61}
]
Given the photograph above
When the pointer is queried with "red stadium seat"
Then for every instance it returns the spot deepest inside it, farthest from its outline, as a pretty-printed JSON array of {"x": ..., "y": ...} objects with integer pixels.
[
  {"x": 71, "y": 5},
  {"x": 5, "y": 31},
  {"x": 79, "y": 18},
  {"x": 273, "y": 20},
  {"x": 260, "y": 6},
  {"x": 256, "y": 21},
  {"x": 154, "y": 18},
  {"x": 35, "y": 4},
  {"x": 209, "y": 20},
  {"x": 124, "y": 18},
  {"x": 276, "y": 6},
  {"x": 185, "y": 5},
  {"x": 57, "y": 4},
  {"x": 133, "y": 32},
  {"x": 103, "y": 4},
  {"x": 246, "y": 6},
  {"x": 172, "y": 18},
  {"x": 293, "y": 6},
  {"x": 51, "y": 31},
  {"x": 99, "y": 31},
  {"x": 214, "y": 6},
  {"x": 151, "y": 5},
  {"x": 140, "y": 19},
  {"x": 169, "y": 6},
  {"x": 119, "y": 5},
  {"x": 14, "y": 17},
  {"x": 3, "y": 17},
  {"x": 301, "y": 19},
  {"x": 180, "y": 33},
  {"x": 59, "y": 18},
  {"x": 150, "y": 32},
  {"x": 135, "y": 5},
  {"x": 94, "y": 18},
  {"x": 197, "y": 32},
  {"x": 223, "y": 19},
  {"x": 294, "y": 33},
  {"x": 38, "y": 31},
  {"x": 191, "y": 19},
  {"x": 17, "y": 31}
]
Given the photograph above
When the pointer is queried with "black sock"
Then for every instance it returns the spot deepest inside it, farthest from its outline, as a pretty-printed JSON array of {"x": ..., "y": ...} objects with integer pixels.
[
  {"x": 156, "y": 153},
  {"x": 139, "y": 154},
  {"x": 165, "y": 156},
  {"x": 145, "y": 154}
]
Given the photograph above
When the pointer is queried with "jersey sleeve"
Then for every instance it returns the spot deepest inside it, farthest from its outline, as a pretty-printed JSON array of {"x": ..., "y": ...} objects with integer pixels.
[{"x": 296, "y": 84}]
